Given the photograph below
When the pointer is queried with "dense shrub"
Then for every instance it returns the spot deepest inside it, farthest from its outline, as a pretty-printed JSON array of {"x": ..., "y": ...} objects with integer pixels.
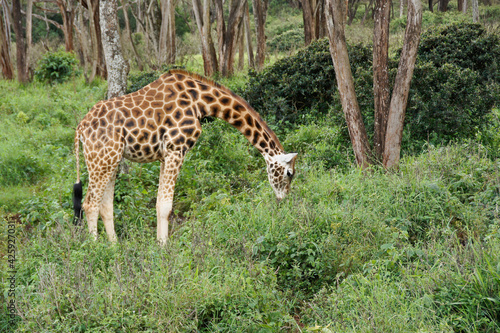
[
  {"x": 466, "y": 45},
  {"x": 56, "y": 67},
  {"x": 286, "y": 41},
  {"x": 291, "y": 88},
  {"x": 141, "y": 79},
  {"x": 453, "y": 88},
  {"x": 138, "y": 80}
]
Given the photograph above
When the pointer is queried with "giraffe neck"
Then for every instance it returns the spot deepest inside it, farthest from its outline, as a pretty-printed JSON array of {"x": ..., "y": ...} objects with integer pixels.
[
  {"x": 242, "y": 117},
  {"x": 213, "y": 99}
]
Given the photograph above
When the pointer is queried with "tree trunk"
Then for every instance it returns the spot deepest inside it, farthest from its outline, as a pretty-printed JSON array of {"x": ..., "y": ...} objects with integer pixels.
[
  {"x": 401, "y": 89},
  {"x": 431, "y": 6},
  {"x": 117, "y": 68},
  {"x": 464, "y": 6},
  {"x": 29, "y": 34},
  {"x": 338, "y": 49},
  {"x": 307, "y": 14},
  {"x": 241, "y": 45},
  {"x": 98, "y": 61},
  {"x": 475, "y": 11},
  {"x": 260, "y": 14},
  {"x": 228, "y": 34},
  {"x": 202, "y": 16},
  {"x": 368, "y": 7},
  {"x": 402, "y": 7},
  {"x": 129, "y": 34},
  {"x": 5, "y": 61},
  {"x": 381, "y": 90},
  {"x": 167, "y": 32},
  {"x": 22, "y": 74},
  {"x": 443, "y": 5},
  {"x": 83, "y": 47},
  {"x": 248, "y": 36},
  {"x": 68, "y": 16}
]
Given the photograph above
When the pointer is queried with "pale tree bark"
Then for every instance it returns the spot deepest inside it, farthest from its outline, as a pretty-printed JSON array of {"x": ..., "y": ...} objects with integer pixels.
[
  {"x": 98, "y": 61},
  {"x": 260, "y": 14},
  {"x": 81, "y": 33},
  {"x": 381, "y": 90},
  {"x": 22, "y": 74},
  {"x": 248, "y": 37},
  {"x": 241, "y": 46},
  {"x": 167, "y": 48},
  {"x": 5, "y": 61},
  {"x": 68, "y": 12},
  {"x": 464, "y": 6},
  {"x": 29, "y": 34},
  {"x": 117, "y": 67},
  {"x": 228, "y": 34},
  {"x": 402, "y": 7},
  {"x": 401, "y": 89},
  {"x": 345, "y": 82},
  {"x": 129, "y": 34},
  {"x": 475, "y": 11},
  {"x": 202, "y": 16}
]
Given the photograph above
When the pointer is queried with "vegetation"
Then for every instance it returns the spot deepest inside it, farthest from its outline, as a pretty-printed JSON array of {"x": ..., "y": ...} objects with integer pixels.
[{"x": 415, "y": 249}]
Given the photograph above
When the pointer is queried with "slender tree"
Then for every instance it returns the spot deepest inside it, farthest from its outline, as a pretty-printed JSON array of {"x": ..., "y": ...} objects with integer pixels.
[
  {"x": 345, "y": 82},
  {"x": 117, "y": 68},
  {"x": 202, "y": 16},
  {"x": 248, "y": 37},
  {"x": 98, "y": 60},
  {"x": 381, "y": 90},
  {"x": 167, "y": 48},
  {"x": 475, "y": 11},
  {"x": 22, "y": 73},
  {"x": 389, "y": 144},
  {"x": 260, "y": 14},
  {"x": 129, "y": 35},
  {"x": 228, "y": 33},
  {"x": 5, "y": 62},
  {"x": 314, "y": 20},
  {"x": 399, "y": 100}
]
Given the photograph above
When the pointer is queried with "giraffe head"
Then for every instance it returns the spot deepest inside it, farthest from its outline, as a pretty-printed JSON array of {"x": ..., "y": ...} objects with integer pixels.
[{"x": 280, "y": 171}]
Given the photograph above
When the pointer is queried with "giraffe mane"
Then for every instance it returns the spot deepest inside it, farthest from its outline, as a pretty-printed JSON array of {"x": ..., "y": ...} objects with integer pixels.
[{"x": 210, "y": 82}]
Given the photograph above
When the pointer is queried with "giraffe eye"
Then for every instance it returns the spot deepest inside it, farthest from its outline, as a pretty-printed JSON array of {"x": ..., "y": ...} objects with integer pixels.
[{"x": 289, "y": 173}]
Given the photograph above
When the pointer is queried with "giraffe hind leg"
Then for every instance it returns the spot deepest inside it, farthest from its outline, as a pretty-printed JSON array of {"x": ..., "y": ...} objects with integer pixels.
[
  {"x": 99, "y": 178},
  {"x": 169, "y": 171},
  {"x": 106, "y": 209}
]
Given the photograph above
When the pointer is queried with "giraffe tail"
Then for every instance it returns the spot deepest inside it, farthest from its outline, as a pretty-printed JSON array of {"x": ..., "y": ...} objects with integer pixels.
[{"x": 77, "y": 187}]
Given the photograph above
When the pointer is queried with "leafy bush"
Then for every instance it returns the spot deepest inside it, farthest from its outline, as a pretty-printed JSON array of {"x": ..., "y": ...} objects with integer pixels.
[
  {"x": 286, "y": 41},
  {"x": 466, "y": 45},
  {"x": 452, "y": 91},
  {"x": 448, "y": 102},
  {"x": 294, "y": 86},
  {"x": 138, "y": 80},
  {"x": 141, "y": 79},
  {"x": 56, "y": 67}
]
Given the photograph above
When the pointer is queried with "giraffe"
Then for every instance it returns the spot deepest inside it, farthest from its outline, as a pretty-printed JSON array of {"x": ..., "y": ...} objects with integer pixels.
[{"x": 161, "y": 122}]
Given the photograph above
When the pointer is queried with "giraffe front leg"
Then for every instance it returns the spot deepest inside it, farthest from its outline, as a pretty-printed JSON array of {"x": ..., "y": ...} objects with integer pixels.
[
  {"x": 106, "y": 209},
  {"x": 168, "y": 175}
]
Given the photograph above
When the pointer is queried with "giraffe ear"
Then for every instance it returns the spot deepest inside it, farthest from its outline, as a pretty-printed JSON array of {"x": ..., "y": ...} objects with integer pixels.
[{"x": 287, "y": 158}]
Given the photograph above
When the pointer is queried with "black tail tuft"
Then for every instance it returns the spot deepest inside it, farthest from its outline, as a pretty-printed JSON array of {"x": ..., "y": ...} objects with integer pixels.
[{"x": 77, "y": 203}]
